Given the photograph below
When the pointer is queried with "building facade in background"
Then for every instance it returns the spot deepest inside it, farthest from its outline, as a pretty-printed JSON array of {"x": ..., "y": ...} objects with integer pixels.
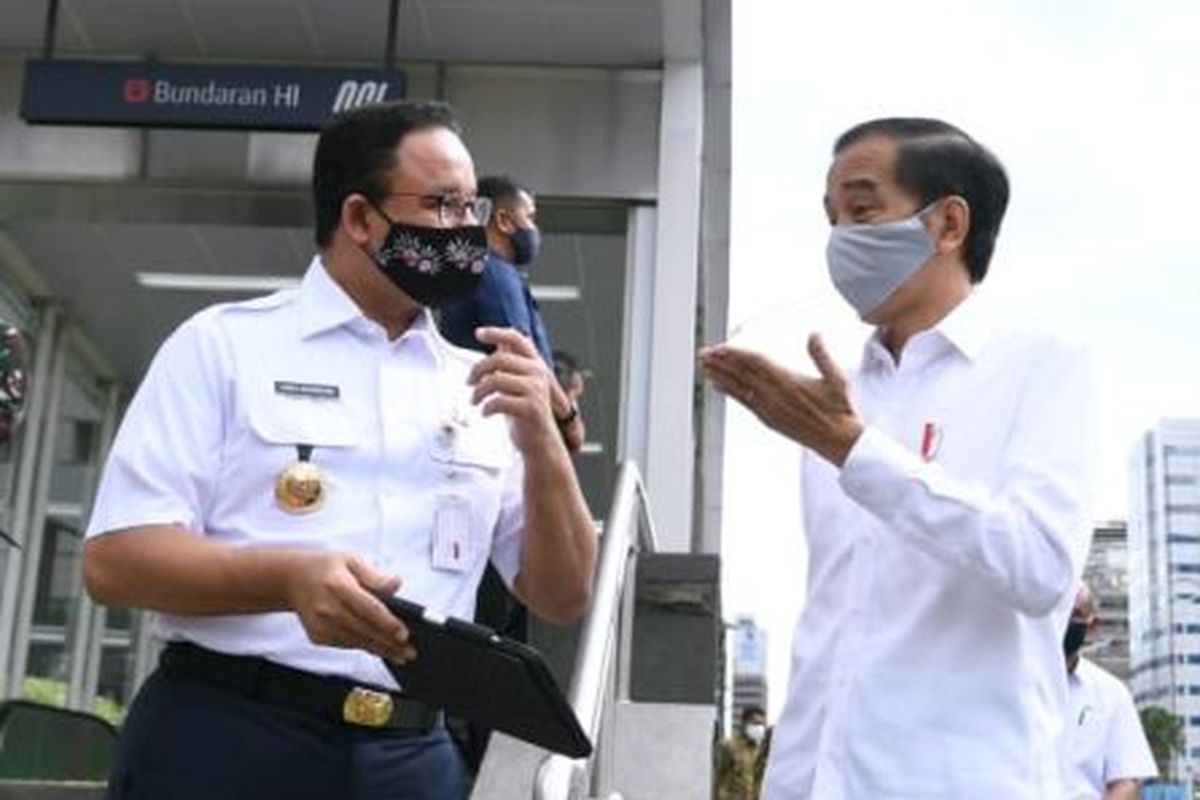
[
  {"x": 1164, "y": 578},
  {"x": 749, "y": 667},
  {"x": 1107, "y": 573}
]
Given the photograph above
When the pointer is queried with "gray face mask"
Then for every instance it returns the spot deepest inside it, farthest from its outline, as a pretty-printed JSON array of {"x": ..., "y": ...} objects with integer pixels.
[{"x": 869, "y": 262}]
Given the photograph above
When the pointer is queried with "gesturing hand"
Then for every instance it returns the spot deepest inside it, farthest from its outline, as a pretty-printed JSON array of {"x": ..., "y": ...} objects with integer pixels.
[
  {"x": 515, "y": 381},
  {"x": 816, "y": 412},
  {"x": 335, "y": 596}
]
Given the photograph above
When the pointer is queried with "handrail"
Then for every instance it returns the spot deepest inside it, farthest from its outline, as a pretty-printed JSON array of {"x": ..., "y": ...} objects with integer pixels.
[{"x": 628, "y": 516}]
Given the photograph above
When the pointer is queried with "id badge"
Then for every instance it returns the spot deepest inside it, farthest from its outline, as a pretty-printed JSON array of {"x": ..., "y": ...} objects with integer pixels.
[{"x": 451, "y": 533}]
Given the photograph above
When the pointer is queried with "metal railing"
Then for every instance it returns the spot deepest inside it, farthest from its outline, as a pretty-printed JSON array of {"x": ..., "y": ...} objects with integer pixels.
[{"x": 628, "y": 528}]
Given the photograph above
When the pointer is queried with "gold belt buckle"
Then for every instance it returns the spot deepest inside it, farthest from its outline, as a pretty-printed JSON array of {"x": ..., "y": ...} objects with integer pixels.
[{"x": 366, "y": 707}]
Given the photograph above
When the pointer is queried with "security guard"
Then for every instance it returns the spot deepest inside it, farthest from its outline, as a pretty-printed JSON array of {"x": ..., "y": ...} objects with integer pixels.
[
  {"x": 738, "y": 758},
  {"x": 288, "y": 459}
]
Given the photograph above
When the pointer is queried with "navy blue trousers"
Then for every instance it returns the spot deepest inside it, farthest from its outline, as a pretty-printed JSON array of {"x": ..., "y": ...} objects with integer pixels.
[{"x": 188, "y": 741}]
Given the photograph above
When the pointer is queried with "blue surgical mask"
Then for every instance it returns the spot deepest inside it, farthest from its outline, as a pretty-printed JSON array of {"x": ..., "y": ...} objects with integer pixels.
[
  {"x": 868, "y": 263},
  {"x": 527, "y": 243}
]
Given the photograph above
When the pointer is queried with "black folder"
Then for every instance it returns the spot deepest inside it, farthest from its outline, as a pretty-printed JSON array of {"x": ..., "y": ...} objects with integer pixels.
[{"x": 472, "y": 672}]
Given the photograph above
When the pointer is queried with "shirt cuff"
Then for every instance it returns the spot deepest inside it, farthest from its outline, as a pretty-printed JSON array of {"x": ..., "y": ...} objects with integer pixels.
[{"x": 878, "y": 471}]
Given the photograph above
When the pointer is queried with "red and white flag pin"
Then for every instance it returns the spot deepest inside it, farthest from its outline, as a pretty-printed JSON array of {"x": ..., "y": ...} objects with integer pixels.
[{"x": 931, "y": 440}]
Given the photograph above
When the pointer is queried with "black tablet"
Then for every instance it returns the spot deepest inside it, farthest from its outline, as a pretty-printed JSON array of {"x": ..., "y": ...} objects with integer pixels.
[{"x": 472, "y": 672}]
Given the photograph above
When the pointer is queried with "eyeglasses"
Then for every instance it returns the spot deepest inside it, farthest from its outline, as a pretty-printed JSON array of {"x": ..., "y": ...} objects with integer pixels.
[{"x": 453, "y": 210}]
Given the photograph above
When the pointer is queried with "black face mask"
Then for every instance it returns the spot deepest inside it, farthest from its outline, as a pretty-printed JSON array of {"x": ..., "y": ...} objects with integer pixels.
[
  {"x": 432, "y": 265},
  {"x": 1073, "y": 640}
]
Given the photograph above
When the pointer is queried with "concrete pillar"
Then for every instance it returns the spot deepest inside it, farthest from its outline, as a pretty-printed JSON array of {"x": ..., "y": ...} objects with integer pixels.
[{"x": 670, "y": 430}]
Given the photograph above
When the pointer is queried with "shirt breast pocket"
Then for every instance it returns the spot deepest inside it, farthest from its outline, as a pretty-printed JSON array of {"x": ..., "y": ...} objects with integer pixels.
[
  {"x": 302, "y": 453},
  {"x": 470, "y": 463}
]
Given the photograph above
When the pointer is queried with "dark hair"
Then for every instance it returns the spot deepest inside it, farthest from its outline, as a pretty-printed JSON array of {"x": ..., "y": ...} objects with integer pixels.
[
  {"x": 502, "y": 190},
  {"x": 751, "y": 711},
  {"x": 935, "y": 160},
  {"x": 357, "y": 150}
]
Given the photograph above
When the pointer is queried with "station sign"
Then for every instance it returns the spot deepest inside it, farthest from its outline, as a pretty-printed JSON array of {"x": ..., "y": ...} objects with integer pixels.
[{"x": 140, "y": 94}]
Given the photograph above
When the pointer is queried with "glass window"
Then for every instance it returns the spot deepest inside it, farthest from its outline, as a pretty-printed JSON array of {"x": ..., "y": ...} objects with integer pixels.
[
  {"x": 114, "y": 690},
  {"x": 12, "y": 313},
  {"x": 60, "y": 575},
  {"x": 59, "y": 589}
]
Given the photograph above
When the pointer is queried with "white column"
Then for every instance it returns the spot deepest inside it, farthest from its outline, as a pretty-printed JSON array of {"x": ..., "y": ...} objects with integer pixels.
[
  {"x": 637, "y": 335},
  {"x": 88, "y": 618},
  {"x": 714, "y": 262},
  {"x": 670, "y": 434},
  {"x": 33, "y": 533}
]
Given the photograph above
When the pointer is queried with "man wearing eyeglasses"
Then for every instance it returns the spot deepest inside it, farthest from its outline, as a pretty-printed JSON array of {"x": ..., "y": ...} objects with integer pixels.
[{"x": 289, "y": 459}]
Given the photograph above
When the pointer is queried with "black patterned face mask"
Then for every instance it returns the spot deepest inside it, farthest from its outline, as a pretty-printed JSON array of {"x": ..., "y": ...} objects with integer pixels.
[{"x": 432, "y": 265}]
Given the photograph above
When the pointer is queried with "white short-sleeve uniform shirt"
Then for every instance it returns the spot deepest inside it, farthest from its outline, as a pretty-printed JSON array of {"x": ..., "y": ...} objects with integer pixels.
[
  {"x": 238, "y": 389},
  {"x": 1105, "y": 740}
]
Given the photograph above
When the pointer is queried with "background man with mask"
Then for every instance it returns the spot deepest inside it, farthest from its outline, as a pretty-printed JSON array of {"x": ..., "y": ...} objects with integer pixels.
[
  {"x": 288, "y": 459},
  {"x": 738, "y": 756},
  {"x": 945, "y": 493},
  {"x": 503, "y": 298},
  {"x": 1107, "y": 752}
]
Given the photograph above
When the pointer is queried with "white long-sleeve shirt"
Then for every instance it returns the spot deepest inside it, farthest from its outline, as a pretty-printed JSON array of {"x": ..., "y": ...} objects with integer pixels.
[{"x": 943, "y": 558}]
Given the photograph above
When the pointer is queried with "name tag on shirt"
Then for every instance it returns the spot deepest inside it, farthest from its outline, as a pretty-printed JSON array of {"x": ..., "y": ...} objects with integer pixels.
[
  {"x": 451, "y": 533},
  {"x": 319, "y": 391}
]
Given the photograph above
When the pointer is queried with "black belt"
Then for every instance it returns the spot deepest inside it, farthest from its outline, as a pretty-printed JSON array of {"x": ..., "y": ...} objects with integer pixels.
[{"x": 330, "y": 698}]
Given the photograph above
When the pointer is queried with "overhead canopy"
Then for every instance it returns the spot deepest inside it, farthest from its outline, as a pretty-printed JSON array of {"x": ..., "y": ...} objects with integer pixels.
[{"x": 560, "y": 32}]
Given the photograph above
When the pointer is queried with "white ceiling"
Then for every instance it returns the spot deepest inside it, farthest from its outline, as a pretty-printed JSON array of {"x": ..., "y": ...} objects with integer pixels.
[{"x": 90, "y": 267}]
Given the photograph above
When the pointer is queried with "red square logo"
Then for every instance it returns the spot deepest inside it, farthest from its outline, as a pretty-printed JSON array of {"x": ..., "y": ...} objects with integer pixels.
[{"x": 136, "y": 90}]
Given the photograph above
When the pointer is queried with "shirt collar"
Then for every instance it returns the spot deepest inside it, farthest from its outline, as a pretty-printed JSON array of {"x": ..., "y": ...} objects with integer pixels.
[
  {"x": 425, "y": 330},
  {"x": 966, "y": 328},
  {"x": 324, "y": 304}
]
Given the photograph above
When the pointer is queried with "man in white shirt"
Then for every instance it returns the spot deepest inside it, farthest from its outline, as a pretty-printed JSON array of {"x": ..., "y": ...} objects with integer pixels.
[
  {"x": 289, "y": 459},
  {"x": 1107, "y": 752},
  {"x": 945, "y": 496}
]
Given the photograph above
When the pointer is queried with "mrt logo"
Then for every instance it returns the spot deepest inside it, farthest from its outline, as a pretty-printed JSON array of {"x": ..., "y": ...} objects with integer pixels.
[{"x": 136, "y": 90}]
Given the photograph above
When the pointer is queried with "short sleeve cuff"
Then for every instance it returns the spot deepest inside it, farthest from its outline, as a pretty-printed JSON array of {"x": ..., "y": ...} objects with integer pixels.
[{"x": 106, "y": 520}]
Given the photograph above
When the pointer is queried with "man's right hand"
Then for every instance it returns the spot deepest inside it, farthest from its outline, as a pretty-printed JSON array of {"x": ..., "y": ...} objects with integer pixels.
[{"x": 335, "y": 595}]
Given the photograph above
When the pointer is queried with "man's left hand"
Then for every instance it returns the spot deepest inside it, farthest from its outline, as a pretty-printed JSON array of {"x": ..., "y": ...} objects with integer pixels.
[
  {"x": 816, "y": 412},
  {"x": 514, "y": 381}
]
